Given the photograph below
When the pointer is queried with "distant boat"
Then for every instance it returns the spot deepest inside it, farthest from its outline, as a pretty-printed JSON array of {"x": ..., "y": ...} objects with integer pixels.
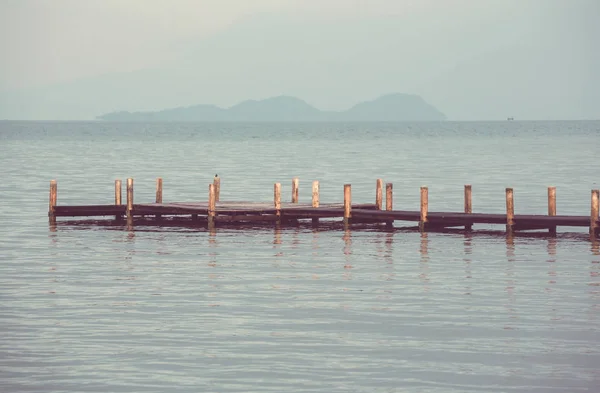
[{"x": 510, "y": 118}]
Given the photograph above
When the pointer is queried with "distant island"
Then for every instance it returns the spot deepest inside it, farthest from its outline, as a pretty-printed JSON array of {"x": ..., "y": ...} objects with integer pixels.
[{"x": 390, "y": 107}]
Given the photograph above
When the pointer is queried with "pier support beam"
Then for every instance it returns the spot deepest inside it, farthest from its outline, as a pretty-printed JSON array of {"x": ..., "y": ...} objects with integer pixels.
[
  {"x": 594, "y": 214},
  {"x": 315, "y": 200},
  {"x": 347, "y": 205},
  {"x": 129, "y": 202},
  {"x": 379, "y": 194},
  {"x": 468, "y": 204},
  {"x": 510, "y": 211},
  {"x": 118, "y": 196},
  {"x": 552, "y": 207},
  {"x": 52, "y": 202},
  {"x": 424, "y": 208}
]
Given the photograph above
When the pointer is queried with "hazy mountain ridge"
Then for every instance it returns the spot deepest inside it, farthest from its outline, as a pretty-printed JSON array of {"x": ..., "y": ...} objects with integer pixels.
[{"x": 390, "y": 107}]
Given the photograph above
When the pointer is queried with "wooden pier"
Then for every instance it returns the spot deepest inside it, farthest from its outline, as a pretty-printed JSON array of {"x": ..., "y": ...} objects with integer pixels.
[{"x": 214, "y": 212}]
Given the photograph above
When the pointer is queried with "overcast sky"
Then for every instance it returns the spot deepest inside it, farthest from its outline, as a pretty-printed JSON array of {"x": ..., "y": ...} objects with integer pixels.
[{"x": 473, "y": 59}]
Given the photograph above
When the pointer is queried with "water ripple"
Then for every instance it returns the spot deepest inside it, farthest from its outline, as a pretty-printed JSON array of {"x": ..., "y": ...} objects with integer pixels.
[{"x": 88, "y": 308}]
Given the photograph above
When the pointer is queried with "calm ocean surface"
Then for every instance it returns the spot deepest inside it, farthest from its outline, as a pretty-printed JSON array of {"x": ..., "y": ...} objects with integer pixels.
[{"x": 99, "y": 309}]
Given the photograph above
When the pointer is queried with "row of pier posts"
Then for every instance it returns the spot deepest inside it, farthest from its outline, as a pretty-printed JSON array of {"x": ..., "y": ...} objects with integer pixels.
[{"x": 215, "y": 187}]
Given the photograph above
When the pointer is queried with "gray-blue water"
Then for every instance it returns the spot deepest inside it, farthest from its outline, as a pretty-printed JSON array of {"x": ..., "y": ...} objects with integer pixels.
[{"x": 297, "y": 310}]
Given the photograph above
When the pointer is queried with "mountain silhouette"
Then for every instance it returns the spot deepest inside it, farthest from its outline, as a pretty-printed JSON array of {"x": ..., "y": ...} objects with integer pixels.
[{"x": 390, "y": 107}]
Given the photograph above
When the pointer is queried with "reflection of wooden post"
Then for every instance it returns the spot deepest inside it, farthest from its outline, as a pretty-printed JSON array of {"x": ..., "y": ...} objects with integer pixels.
[
  {"x": 424, "y": 208},
  {"x": 510, "y": 211},
  {"x": 211, "y": 206},
  {"x": 277, "y": 201},
  {"x": 129, "y": 201},
  {"x": 217, "y": 184},
  {"x": 424, "y": 249},
  {"x": 118, "y": 197},
  {"x": 594, "y": 213},
  {"x": 52, "y": 202},
  {"x": 389, "y": 201},
  {"x": 379, "y": 194},
  {"x": 315, "y": 199},
  {"x": 468, "y": 204},
  {"x": 347, "y": 204},
  {"x": 552, "y": 207},
  {"x": 295, "y": 190}
]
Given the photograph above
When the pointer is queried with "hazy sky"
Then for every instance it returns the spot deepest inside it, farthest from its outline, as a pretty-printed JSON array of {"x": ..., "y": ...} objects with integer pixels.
[{"x": 473, "y": 59}]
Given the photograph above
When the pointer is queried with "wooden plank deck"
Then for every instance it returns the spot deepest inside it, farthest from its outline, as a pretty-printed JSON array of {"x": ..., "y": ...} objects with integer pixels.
[
  {"x": 234, "y": 211},
  {"x": 201, "y": 208}
]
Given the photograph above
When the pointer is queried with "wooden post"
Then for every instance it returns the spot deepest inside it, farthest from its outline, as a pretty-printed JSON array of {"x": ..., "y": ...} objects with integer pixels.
[
  {"x": 129, "y": 201},
  {"x": 510, "y": 211},
  {"x": 468, "y": 204},
  {"x": 424, "y": 208},
  {"x": 159, "y": 193},
  {"x": 212, "y": 206},
  {"x": 315, "y": 199},
  {"x": 159, "y": 190},
  {"x": 277, "y": 201},
  {"x": 217, "y": 184},
  {"x": 379, "y": 194},
  {"x": 594, "y": 213},
  {"x": 295, "y": 190},
  {"x": 552, "y": 207},
  {"x": 347, "y": 204},
  {"x": 118, "y": 193},
  {"x": 118, "y": 200},
  {"x": 52, "y": 202},
  {"x": 389, "y": 201}
]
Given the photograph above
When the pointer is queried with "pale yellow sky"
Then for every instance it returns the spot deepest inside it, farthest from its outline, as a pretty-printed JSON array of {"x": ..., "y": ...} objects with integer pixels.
[
  {"x": 49, "y": 41},
  {"x": 473, "y": 59}
]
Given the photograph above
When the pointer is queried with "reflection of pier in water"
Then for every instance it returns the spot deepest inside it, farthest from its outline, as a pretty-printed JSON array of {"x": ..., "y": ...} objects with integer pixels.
[
  {"x": 424, "y": 261},
  {"x": 468, "y": 251}
]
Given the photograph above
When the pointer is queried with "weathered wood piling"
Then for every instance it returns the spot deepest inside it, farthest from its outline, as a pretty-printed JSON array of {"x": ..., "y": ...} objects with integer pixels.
[
  {"x": 52, "y": 202},
  {"x": 129, "y": 202},
  {"x": 315, "y": 200},
  {"x": 468, "y": 204},
  {"x": 295, "y": 190},
  {"x": 159, "y": 190},
  {"x": 118, "y": 199},
  {"x": 379, "y": 194},
  {"x": 424, "y": 208},
  {"x": 389, "y": 202},
  {"x": 347, "y": 204},
  {"x": 277, "y": 202},
  {"x": 212, "y": 205},
  {"x": 214, "y": 212},
  {"x": 159, "y": 194},
  {"x": 594, "y": 213},
  {"x": 217, "y": 185},
  {"x": 510, "y": 211},
  {"x": 552, "y": 207}
]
